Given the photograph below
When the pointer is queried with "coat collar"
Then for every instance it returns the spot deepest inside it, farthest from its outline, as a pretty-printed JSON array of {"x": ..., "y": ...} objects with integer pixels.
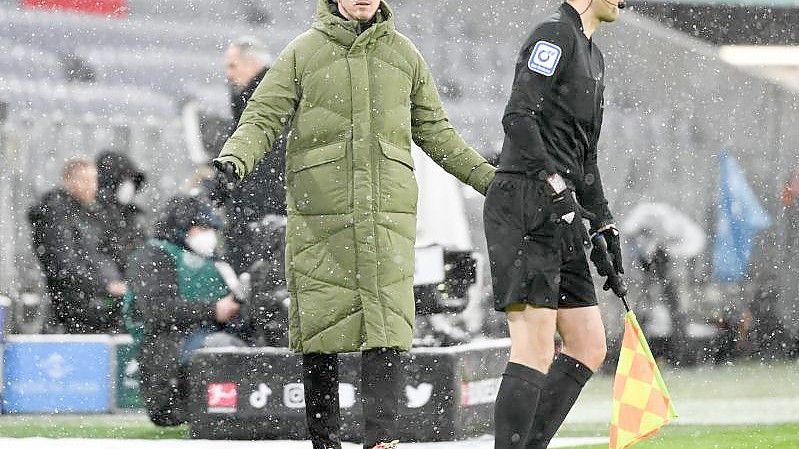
[
  {"x": 257, "y": 79},
  {"x": 345, "y": 31},
  {"x": 572, "y": 15}
]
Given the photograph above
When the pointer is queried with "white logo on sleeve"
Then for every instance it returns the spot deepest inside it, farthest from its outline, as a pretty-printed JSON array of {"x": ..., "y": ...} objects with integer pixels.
[{"x": 544, "y": 58}]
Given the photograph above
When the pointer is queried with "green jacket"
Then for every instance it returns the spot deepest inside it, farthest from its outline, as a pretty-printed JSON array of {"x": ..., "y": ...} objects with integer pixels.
[{"x": 352, "y": 104}]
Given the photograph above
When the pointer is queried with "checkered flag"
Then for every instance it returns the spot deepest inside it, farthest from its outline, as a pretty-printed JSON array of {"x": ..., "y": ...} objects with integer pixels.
[{"x": 641, "y": 402}]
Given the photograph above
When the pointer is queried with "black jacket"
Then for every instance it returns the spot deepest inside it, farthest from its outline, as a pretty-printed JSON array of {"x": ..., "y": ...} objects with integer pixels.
[
  {"x": 554, "y": 115},
  {"x": 239, "y": 99},
  {"x": 125, "y": 224},
  {"x": 66, "y": 240},
  {"x": 153, "y": 278},
  {"x": 261, "y": 193},
  {"x": 168, "y": 318}
]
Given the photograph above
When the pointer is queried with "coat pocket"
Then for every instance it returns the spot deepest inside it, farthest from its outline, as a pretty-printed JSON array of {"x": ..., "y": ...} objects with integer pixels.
[
  {"x": 397, "y": 184},
  {"x": 318, "y": 180}
]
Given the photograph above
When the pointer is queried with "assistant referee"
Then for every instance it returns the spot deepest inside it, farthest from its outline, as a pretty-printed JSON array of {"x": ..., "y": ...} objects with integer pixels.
[{"x": 547, "y": 182}]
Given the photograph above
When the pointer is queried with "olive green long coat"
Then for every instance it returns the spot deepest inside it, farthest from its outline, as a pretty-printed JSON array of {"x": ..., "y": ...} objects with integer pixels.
[{"x": 352, "y": 103}]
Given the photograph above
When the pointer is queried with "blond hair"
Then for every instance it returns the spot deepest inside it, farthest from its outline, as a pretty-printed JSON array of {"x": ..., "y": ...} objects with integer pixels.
[{"x": 72, "y": 166}]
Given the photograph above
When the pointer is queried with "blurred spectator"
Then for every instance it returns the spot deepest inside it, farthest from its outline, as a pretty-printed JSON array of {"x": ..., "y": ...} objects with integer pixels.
[
  {"x": 259, "y": 202},
  {"x": 183, "y": 301},
  {"x": 664, "y": 320},
  {"x": 85, "y": 285},
  {"x": 660, "y": 237},
  {"x": 118, "y": 182},
  {"x": 246, "y": 63}
]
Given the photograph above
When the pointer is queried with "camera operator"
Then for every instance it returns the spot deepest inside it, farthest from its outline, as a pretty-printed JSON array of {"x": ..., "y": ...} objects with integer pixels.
[{"x": 183, "y": 302}]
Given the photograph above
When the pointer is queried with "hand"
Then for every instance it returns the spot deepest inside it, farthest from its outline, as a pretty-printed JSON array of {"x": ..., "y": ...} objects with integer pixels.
[
  {"x": 564, "y": 206},
  {"x": 616, "y": 283},
  {"x": 611, "y": 235},
  {"x": 226, "y": 309},
  {"x": 601, "y": 259},
  {"x": 116, "y": 288},
  {"x": 226, "y": 179}
]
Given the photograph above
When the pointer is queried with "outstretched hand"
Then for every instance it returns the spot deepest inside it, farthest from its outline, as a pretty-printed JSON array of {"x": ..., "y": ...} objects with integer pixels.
[{"x": 226, "y": 180}]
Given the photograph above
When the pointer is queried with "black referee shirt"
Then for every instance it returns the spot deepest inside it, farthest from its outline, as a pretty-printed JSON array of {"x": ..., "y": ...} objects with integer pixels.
[{"x": 554, "y": 115}]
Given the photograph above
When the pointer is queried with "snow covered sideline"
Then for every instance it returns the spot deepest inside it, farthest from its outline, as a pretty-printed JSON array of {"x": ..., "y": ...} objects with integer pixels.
[{"x": 86, "y": 443}]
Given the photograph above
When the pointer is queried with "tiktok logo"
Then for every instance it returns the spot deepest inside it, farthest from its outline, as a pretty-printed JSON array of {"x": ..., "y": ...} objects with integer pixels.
[{"x": 260, "y": 397}]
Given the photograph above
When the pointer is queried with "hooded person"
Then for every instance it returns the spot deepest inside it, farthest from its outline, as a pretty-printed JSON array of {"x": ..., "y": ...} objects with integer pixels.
[
  {"x": 180, "y": 300},
  {"x": 118, "y": 182},
  {"x": 354, "y": 94}
]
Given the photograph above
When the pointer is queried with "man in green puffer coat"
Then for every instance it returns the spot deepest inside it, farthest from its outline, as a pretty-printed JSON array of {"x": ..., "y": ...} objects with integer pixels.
[{"x": 353, "y": 94}]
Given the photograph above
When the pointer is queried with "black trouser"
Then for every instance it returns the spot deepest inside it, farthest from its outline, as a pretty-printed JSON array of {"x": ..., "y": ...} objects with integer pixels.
[{"x": 380, "y": 381}]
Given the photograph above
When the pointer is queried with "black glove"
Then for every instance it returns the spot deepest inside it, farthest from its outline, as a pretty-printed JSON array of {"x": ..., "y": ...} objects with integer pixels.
[
  {"x": 616, "y": 283},
  {"x": 564, "y": 206},
  {"x": 600, "y": 256},
  {"x": 226, "y": 180},
  {"x": 611, "y": 235}
]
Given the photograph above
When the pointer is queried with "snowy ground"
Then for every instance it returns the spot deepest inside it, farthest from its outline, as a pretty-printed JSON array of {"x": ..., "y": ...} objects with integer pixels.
[{"x": 43, "y": 443}]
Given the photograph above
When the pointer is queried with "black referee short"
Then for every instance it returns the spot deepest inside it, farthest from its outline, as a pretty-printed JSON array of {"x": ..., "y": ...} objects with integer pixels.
[{"x": 534, "y": 260}]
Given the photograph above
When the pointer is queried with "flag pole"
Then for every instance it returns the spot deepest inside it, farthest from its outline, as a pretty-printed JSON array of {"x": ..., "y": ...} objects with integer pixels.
[{"x": 624, "y": 301}]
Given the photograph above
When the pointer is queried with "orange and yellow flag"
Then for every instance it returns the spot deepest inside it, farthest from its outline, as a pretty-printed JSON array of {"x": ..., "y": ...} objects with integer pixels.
[{"x": 641, "y": 402}]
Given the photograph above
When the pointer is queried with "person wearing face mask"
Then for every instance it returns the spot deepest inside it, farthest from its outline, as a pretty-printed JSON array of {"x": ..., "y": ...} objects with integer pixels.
[
  {"x": 84, "y": 284},
  {"x": 118, "y": 182},
  {"x": 180, "y": 300}
]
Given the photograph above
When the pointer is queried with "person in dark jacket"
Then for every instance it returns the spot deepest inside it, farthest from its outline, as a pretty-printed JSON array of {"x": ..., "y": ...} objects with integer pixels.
[
  {"x": 182, "y": 300},
  {"x": 260, "y": 201},
  {"x": 84, "y": 284},
  {"x": 118, "y": 181},
  {"x": 246, "y": 62},
  {"x": 547, "y": 181}
]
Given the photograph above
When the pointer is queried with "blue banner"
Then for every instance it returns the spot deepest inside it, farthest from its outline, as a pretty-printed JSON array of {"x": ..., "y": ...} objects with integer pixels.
[
  {"x": 55, "y": 377},
  {"x": 740, "y": 217}
]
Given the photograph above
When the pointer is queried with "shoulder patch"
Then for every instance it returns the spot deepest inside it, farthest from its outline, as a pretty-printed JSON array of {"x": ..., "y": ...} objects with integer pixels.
[{"x": 544, "y": 58}]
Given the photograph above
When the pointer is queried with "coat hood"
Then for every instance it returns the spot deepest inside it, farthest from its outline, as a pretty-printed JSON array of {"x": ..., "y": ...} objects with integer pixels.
[
  {"x": 344, "y": 31},
  {"x": 180, "y": 214},
  {"x": 112, "y": 169}
]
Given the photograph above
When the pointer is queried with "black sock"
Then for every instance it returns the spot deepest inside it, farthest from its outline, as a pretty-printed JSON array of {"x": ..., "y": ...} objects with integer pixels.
[
  {"x": 565, "y": 381},
  {"x": 380, "y": 381},
  {"x": 322, "y": 414},
  {"x": 516, "y": 404}
]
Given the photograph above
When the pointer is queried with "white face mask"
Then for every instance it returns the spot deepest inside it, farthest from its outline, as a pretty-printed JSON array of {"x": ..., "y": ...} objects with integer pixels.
[
  {"x": 203, "y": 243},
  {"x": 126, "y": 192}
]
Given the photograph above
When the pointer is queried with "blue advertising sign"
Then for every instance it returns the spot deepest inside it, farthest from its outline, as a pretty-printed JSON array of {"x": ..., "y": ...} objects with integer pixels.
[{"x": 55, "y": 374}]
